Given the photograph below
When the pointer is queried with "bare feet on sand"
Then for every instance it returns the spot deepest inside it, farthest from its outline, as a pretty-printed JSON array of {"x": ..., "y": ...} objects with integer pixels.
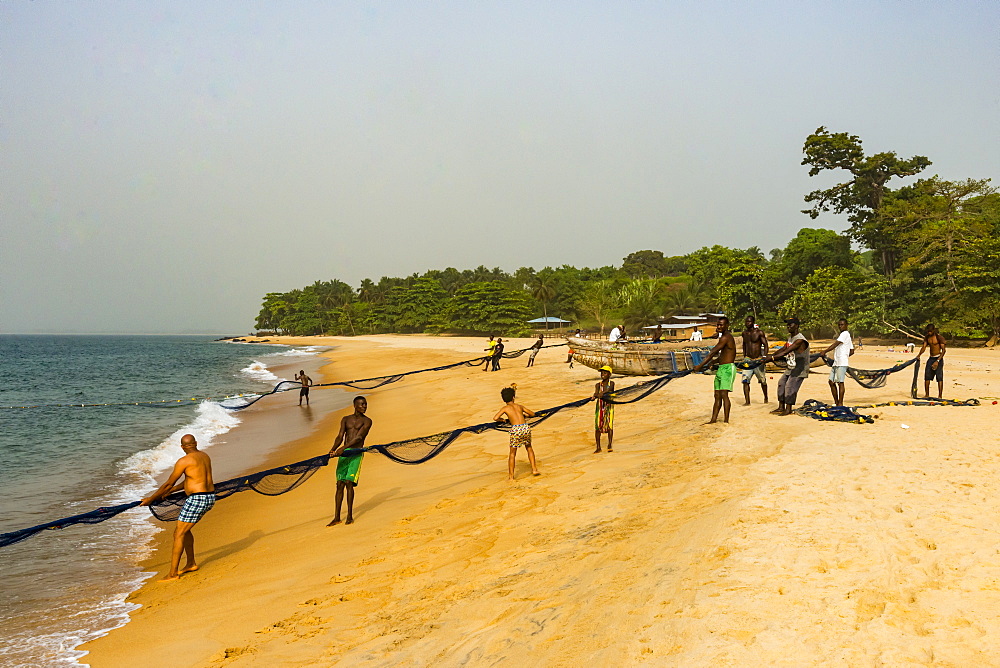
[
  {"x": 350, "y": 520},
  {"x": 169, "y": 578},
  {"x": 336, "y": 520},
  {"x": 190, "y": 568}
]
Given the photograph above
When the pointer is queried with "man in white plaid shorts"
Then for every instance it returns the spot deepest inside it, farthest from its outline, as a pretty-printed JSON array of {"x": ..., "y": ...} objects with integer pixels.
[{"x": 196, "y": 467}]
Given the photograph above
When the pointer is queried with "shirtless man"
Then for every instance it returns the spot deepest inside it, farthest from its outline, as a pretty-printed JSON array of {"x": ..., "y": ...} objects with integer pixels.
[
  {"x": 658, "y": 333},
  {"x": 935, "y": 363},
  {"x": 520, "y": 431},
  {"x": 725, "y": 350},
  {"x": 535, "y": 347},
  {"x": 354, "y": 430},
  {"x": 196, "y": 467},
  {"x": 754, "y": 347},
  {"x": 306, "y": 383}
]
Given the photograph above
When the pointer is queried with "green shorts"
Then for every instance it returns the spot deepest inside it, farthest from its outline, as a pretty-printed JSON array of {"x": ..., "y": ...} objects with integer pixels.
[
  {"x": 349, "y": 468},
  {"x": 725, "y": 376}
]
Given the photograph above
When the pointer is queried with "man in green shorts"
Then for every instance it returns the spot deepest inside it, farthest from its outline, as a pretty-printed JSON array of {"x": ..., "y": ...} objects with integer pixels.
[
  {"x": 354, "y": 430},
  {"x": 725, "y": 350}
]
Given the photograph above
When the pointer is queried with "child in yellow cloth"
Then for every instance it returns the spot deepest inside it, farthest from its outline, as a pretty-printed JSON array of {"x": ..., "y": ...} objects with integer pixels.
[
  {"x": 520, "y": 431},
  {"x": 604, "y": 412}
]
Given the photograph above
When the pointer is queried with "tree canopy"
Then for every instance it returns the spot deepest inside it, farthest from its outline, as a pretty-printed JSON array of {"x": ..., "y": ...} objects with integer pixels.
[{"x": 916, "y": 251}]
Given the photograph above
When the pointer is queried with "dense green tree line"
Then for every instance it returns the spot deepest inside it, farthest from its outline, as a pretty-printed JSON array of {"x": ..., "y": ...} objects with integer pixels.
[{"x": 925, "y": 251}]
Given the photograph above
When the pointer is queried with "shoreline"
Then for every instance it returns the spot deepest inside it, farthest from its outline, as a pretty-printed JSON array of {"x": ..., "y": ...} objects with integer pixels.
[{"x": 690, "y": 545}]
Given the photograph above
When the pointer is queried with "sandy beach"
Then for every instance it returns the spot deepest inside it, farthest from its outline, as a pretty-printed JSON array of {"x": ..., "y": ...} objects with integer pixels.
[{"x": 769, "y": 541}]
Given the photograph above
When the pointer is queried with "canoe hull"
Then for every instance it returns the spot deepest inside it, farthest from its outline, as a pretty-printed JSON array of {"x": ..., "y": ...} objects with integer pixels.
[{"x": 631, "y": 359}]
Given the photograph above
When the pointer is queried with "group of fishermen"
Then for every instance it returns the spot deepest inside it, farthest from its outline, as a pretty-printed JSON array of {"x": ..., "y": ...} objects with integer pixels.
[{"x": 797, "y": 356}]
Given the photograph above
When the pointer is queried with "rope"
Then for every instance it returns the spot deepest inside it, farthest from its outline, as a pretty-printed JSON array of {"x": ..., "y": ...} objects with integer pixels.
[
  {"x": 285, "y": 386},
  {"x": 367, "y": 384},
  {"x": 282, "y": 479},
  {"x": 821, "y": 411}
]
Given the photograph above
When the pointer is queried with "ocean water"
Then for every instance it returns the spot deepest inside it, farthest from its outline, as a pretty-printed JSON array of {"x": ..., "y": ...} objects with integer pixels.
[{"x": 62, "y": 588}]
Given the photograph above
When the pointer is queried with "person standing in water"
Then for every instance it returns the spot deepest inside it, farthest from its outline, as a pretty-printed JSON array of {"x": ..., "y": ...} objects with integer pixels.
[
  {"x": 306, "y": 382},
  {"x": 754, "y": 347},
  {"x": 196, "y": 467},
  {"x": 725, "y": 375},
  {"x": 354, "y": 430},
  {"x": 604, "y": 412}
]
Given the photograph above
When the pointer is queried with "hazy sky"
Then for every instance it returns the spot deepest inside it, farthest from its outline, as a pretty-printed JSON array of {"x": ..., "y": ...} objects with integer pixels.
[{"x": 164, "y": 164}]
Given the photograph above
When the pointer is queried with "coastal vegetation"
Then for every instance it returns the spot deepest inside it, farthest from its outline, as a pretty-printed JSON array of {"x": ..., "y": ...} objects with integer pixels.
[{"x": 927, "y": 250}]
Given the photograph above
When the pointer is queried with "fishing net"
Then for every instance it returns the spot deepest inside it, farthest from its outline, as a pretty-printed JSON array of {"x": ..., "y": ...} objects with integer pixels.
[
  {"x": 92, "y": 517},
  {"x": 367, "y": 384},
  {"x": 271, "y": 482},
  {"x": 282, "y": 479},
  {"x": 876, "y": 378},
  {"x": 821, "y": 411}
]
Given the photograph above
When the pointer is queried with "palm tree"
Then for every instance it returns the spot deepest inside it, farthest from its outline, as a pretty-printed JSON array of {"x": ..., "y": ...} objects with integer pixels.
[{"x": 543, "y": 288}]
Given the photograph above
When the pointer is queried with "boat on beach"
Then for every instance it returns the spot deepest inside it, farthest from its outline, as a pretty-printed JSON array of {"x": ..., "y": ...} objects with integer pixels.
[
  {"x": 632, "y": 358},
  {"x": 636, "y": 359}
]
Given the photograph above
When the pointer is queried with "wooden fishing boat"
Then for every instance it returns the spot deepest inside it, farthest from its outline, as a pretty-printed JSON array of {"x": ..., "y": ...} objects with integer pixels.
[
  {"x": 646, "y": 359},
  {"x": 636, "y": 359}
]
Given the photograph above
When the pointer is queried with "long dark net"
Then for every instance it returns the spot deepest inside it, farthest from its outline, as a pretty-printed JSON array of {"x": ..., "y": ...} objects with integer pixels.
[
  {"x": 875, "y": 378},
  {"x": 822, "y": 411},
  {"x": 271, "y": 482},
  {"x": 282, "y": 479},
  {"x": 366, "y": 384}
]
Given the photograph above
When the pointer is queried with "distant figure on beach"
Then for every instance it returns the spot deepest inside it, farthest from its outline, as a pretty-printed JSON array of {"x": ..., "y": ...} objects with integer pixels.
[
  {"x": 497, "y": 354},
  {"x": 604, "y": 412},
  {"x": 754, "y": 347},
  {"x": 796, "y": 350},
  {"x": 520, "y": 431},
  {"x": 489, "y": 354},
  {"x": 909, "y": 346},
  {"x": 535, "y": 347},
  {"x": 196, "y": 467},
  {"x": 354, "y": 430},
  {"x": 658, "y": 333},
  {"x": 935, "y": 363},
  {"x": 306, "y": 383},
  {"x": 725, "y": 375},
  {"x": 569, "y": 359},
  {"x": 842, "y": 349},
  {"x": 696, "y": 335},
  {"x": 616, "y": 333}
]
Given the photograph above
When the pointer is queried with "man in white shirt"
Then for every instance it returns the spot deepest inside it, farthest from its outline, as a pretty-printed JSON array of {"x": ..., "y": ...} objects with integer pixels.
[
  {"x": 615, "y": 335},
  {"x": 842, "y": 349},
  {"x": 696, "y": 335}
]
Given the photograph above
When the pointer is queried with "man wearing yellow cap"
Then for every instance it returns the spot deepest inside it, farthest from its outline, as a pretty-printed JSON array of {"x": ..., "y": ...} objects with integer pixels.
[{"x": 604, "y": 413}]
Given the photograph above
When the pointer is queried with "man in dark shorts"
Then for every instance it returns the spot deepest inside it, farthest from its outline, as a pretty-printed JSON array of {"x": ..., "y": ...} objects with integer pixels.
[
  {"x": 935, "y": 363},
  {"x": 754, "y": 348},
  {"x": 196, "y": 467},
  {"x": 535, "y": 347},
  {"x": 497, "y": 354},
  {"x": 306, "y": 382},
  {"x": 354, "y": 430},
  {"x": 796, "y": 350},
  {"x": 725, "y": 349}
]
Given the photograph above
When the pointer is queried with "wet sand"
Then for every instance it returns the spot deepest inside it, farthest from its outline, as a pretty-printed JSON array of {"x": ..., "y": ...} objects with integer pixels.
[{"x": 769, "y": 541}]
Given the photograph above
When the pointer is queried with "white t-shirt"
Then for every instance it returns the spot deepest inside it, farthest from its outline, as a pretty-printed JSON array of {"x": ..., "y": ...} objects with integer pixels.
[
  {"x": 842, "y": 352},
  {"x": 615, "y": 335},
  {"x": 696, "y": 335}
]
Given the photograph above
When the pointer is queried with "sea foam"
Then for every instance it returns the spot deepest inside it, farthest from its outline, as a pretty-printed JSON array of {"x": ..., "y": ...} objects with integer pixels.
[
  {"x": 212, "y": 420},
  {"x": 259, "y": 371}
]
